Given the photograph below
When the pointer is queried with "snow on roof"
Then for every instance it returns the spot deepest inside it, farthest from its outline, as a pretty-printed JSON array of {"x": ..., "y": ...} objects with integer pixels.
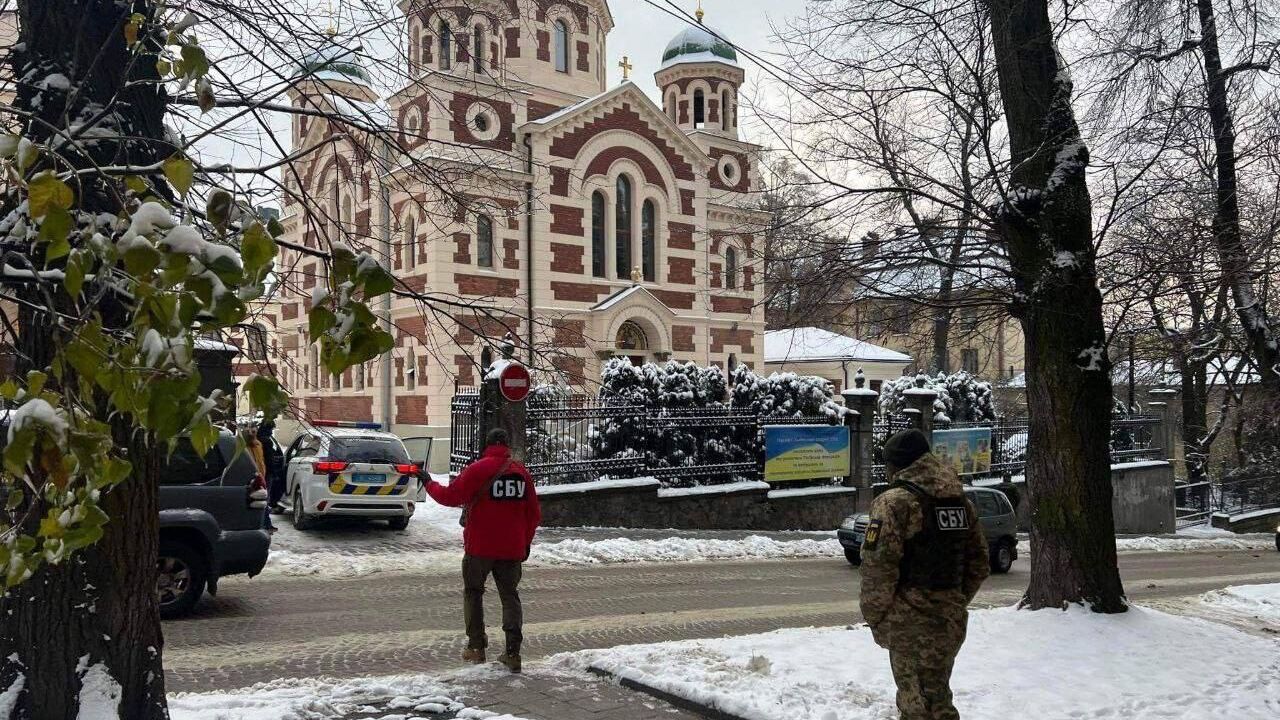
[
  {"x": 208, "y": 343},
  {"x": 621, "y": 295},
  {"x": 811, "y": 344}
]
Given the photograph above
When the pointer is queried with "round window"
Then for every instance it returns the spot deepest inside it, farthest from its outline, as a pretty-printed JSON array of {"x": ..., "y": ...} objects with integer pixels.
[
  {"x": 729, "y": 170},
  {"x": 483, "y": 121}
]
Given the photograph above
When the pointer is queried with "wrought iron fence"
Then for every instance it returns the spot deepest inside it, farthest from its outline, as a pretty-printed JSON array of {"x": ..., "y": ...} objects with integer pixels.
[
  {"x": 464, "y": 428},
  {"x": 704, "y": 446},
  {"x": 579, "y": 439},
  {"x": 1198, "y": 502}
]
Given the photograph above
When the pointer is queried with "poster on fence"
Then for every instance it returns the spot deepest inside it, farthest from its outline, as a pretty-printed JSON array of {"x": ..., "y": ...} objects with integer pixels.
[
  {"x": 968, "y": 450},
  {"x": 805, "y": 452}
]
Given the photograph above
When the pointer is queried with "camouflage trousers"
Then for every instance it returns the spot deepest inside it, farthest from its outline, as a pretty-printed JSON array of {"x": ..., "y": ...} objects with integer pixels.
[{"x": 922, "y": 651}]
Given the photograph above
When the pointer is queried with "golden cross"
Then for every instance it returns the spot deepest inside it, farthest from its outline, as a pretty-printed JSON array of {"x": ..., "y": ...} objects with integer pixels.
[
  {"x": 625, "y": 64},
  {"x": 699, "y": 13}
]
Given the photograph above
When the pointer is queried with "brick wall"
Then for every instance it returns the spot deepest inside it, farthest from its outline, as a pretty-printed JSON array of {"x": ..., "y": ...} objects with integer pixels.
[
  {"x": 723, "y": 304},
  {"x": 560, "y": 181},
  {"x": 581, "y": 292},
  {"x": 680, "y": 235},
  {"x": 510, "y": 253},
  {"x": 536, "y": 110},
  {"x": 720, "y": 337},
  {"x": 601, "y": 163},
  {"x": 462, "y": 253},
  {"x": 567, "y": 258},
  {"x": 621, "y": 118},
  {"x": 486, "y": 285},
  {"x": 680, "y": 270},
  {"x": 569, "y": 333},
  {"x": 674, "y": 299},
  {"x": 682, "y": 338},
  {"x": 513, "y": 41},
  {"x": 411, "y": 410},
  {"x": 566, "y": 220},
  {"x": 340, "y": 408}
]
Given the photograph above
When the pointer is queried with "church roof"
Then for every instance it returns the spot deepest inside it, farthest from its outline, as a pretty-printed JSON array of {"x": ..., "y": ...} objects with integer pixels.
[
  {"x": 699, "y": 44},
  {"x": 334, "y": 62}
]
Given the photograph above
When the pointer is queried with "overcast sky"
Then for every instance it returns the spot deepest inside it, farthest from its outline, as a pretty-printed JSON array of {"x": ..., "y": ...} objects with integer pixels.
[{"x": 641, "y": 32}]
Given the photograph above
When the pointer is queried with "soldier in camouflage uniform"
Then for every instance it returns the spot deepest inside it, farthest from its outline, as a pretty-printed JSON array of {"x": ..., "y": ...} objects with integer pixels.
[{"x": 923, "y": 559}]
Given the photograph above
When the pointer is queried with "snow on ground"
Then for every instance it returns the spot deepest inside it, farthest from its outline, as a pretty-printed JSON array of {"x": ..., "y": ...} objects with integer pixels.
[
  {"x": 1143, "y": 664},
  {"x": 1184, "y": 543},
  {"x": 1256, "y": 601},
  {"x": 679, "y": 549},
  {"x": 400, "y": 697}
]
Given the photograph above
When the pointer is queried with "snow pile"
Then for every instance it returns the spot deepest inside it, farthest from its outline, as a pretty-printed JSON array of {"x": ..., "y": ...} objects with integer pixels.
[
  {"x": 679, "y": 549},
  {"x": 406, "y": 696},
  {"x": 1184, "y": 543},
  {"x": 1081, "y": 665},
  {"x": 339, "y": 564},
  {"x": 1256, "y": 601}
]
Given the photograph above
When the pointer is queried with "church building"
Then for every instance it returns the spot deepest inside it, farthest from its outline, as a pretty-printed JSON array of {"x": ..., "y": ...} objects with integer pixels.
[{"x": 520, "y": 195}]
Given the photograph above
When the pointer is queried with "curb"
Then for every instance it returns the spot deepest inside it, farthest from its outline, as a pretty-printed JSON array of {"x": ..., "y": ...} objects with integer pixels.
[{"x": 675, "y": 700}]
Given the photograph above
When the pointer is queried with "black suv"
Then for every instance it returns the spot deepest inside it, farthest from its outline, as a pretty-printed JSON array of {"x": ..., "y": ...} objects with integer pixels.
[{"x": 212, "y": 518}]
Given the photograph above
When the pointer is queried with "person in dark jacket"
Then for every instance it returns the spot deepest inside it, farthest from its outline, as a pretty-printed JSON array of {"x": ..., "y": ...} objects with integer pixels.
[
  {"x": 274, "y": 460},
  {"x": 501, "y": 515}
]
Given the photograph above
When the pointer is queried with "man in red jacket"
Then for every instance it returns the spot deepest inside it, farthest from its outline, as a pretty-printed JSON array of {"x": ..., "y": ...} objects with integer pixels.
[{"x": 501, "y": 515}]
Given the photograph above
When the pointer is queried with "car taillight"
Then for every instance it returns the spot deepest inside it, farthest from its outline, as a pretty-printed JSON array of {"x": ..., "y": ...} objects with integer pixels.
[
  {"x": 407, "y": 469},
  {"x": 328, "y": 466},
  {"x": 257, "y": 498}
]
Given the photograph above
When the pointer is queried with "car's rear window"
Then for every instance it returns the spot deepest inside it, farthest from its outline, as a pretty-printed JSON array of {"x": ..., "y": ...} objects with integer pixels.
[
  {"x": 186, "y": 467},
  {"x": 368, "y": 450}
]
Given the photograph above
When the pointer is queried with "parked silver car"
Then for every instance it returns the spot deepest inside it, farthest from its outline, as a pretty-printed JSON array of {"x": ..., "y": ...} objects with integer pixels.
[{"x": 999, "y": 524}]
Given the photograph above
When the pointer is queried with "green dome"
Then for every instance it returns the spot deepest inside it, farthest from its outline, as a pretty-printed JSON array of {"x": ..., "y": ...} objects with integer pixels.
[
  {"x": 334, "y": 62},
  {"x": 698, "y": 43}
]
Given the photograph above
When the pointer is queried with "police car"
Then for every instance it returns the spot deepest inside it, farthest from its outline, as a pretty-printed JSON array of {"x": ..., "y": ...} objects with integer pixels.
[{"x": 350, "y": 469}]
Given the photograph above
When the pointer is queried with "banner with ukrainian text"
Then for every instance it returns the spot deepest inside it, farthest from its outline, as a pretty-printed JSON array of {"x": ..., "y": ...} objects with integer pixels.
[
  {"x": 805, "y": 452},
  {"x": 968, "y": 450}
]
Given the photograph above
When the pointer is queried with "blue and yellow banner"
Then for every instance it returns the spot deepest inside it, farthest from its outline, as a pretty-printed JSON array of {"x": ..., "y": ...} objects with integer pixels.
[
  {"x": 967, "y": 450},
  {"x": 805, "y": 452}
]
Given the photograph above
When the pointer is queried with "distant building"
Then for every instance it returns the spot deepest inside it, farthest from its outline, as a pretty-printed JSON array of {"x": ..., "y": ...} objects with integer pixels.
[{"x": 834, "y": 357}]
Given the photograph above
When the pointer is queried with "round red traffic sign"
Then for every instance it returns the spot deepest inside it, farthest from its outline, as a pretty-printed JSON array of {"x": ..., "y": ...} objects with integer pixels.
[{"x": 513, "y": 381}]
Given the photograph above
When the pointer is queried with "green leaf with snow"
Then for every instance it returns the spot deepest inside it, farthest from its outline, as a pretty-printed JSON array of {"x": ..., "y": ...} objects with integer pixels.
[
  {"x": 77, "y": 265},
  {"x": 218, "y": 208},
  {"x": 45, "y": 192},
  {"x": 257, "y": 249},
  {"x": 319, "y": 320},
  {"x": 141, "y": 258},
  {"x": 203, "y": 436},
  {"x": 377, "y": 281},
  {"x": 180, "y": 172}
]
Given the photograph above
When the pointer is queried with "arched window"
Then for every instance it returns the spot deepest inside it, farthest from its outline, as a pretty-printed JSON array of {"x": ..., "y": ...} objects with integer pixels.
[
  {"x": 699, "y": 108},
  {"x": 648, "y": 249},
  {"x": 562, "y": 46},
  {"x": 410, "y": 243},
  {"x": 359, "y": 377},
  {"x": 731, "y": 269},
  {"x": 725, "y": 123},
  {"x": 477, "y": 49},
  {"x": 672, "y": 103},
  {"x": 347, "y": 215},
  {"x": 446, "y": 45},
  {"x": 484, "y": 241},
  {"x": 257, "y": 337},
  {"x": 622, "y": 227},
  {"x": 414, "y": 57},
  {"x": 597, "y": 234}
]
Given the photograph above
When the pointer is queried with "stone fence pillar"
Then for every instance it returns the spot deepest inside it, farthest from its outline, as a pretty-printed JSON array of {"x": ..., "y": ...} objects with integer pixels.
[
  {"x": 498, "y": 412},
  {"x": 861, "y": 401},
  {"x": 1166, "y": 432},
  {"x": 920, "y": 408}
]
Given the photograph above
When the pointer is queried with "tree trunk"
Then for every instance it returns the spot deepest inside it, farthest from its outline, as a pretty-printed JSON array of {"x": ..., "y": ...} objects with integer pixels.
[
  {"x": 1260, "y": 340},
  {"x": 1047, "y": 231},
  {"x": 1195, "y": 419},
  {"x": 85, "y": 634}
]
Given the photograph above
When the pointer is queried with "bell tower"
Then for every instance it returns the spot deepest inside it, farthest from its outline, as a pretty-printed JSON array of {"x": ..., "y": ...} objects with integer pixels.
[{"x": 700, "y": 77}]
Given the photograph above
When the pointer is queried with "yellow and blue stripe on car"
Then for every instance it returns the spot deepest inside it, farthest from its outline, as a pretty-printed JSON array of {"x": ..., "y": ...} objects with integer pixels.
[{"x": 341, "y": 486}]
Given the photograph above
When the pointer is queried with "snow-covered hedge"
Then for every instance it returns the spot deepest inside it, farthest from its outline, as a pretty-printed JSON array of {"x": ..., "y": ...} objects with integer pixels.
[{"x": 961, "y": 396}]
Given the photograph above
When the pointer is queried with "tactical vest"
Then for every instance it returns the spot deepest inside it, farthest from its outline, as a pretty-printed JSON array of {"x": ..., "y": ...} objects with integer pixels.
[{"x": 934, "y": 559}]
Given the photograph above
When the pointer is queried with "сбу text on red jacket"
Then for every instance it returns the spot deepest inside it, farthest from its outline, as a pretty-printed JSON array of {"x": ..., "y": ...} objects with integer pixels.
[{"x": 504, "y": 515}]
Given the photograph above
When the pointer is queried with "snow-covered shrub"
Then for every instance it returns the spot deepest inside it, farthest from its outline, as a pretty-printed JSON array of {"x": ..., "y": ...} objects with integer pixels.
[{"x": 961, "y": 396}]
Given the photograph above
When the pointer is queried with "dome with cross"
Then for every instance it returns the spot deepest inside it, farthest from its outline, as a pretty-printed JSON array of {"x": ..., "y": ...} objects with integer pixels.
[{"x": 699, "y": 44}]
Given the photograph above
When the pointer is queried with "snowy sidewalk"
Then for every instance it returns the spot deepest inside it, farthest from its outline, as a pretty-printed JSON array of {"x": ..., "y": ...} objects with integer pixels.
[
  {"x": 473, "y": 694},
  {"x": 1140, "y": 665}
]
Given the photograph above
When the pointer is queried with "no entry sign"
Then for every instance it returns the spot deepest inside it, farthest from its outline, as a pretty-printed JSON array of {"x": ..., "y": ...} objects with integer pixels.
[{"x": 513, "y": 381}]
